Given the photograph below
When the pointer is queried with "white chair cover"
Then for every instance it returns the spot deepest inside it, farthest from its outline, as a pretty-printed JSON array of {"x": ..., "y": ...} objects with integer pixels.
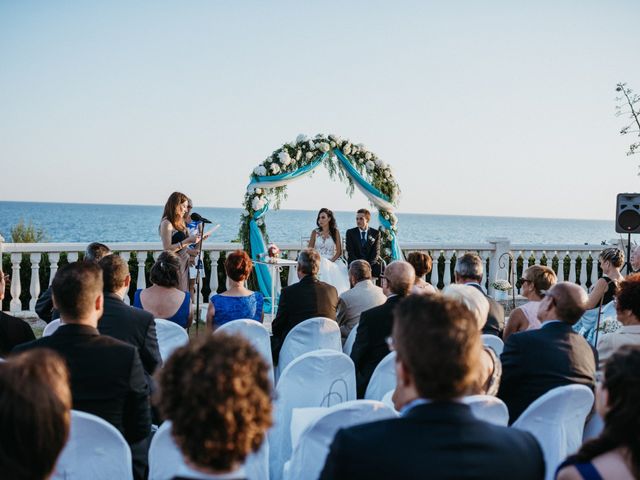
[
  {"x": 311, "y": 451},
  {"x": 312, "y": 334},
  {"x": 593, "y": 428},
  {"x": 253, "y": 331},
  {"x": 493, "y": 342},
  {"x": 557, "y": 420},
  {"x": 351, "y": 339},
  {"x": 387, "y": 399},
  {"x": 488, "y": 408},
  {"x": 383, "y": 378},
  {"x": 321, "y": 378},
  {"x": 51, "y": 327},
  {"x": 170, "y": 336},
  {"x": 96, "y": 450},
  {"x": 166, "y": 460}
]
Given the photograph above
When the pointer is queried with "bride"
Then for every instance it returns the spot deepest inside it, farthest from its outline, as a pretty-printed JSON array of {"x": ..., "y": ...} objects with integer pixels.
[{"x": 326, "y": 240}]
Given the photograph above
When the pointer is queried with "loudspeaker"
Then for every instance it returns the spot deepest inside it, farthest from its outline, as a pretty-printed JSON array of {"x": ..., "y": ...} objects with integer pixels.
[{"x": 628, "y": 213}]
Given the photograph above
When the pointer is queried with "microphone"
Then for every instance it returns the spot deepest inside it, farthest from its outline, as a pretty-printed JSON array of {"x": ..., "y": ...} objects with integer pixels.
[{"x": 198, "y": 218}]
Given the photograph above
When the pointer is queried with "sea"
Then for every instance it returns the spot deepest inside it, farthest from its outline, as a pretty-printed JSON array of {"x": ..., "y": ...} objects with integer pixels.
[{"x": 77, "y": 222}]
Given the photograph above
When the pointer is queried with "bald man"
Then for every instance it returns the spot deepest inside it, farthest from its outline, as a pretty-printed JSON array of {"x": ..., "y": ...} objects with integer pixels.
[
  {"x": 536, "y": 361},
  {"x": 375, "y": 324}
]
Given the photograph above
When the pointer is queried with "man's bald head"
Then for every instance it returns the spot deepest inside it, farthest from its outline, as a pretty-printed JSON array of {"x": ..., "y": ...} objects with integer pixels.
[
  {"x": 568, "y": 300},
  {"x": 400, "y": 277}
]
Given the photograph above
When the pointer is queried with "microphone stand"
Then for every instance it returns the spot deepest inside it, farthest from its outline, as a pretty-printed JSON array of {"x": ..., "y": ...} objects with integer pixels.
[{"x": 198, "y": 263}]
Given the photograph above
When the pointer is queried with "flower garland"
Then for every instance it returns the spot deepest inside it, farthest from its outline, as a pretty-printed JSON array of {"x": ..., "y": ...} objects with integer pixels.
[{"x": 304, "y": 151}]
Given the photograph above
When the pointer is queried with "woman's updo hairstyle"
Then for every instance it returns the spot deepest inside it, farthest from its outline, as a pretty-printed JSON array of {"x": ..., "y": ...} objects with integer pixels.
[
  {"x": 238, "y": 266},
  {"x": 165, "y": 272},
  {"x": 613, "y": 255}
]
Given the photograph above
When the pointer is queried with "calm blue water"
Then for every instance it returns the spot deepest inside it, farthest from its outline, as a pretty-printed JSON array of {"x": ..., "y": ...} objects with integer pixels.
[{"x": 67, "y": 222}]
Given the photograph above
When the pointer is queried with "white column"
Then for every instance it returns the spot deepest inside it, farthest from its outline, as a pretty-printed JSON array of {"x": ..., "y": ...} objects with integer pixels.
[
  {"x": 72, "y": 257},
  {"x": 34, "y": 288},
  {"x": 213, "y": 281},
  {"x": 126, "y": 256},
  {"x": 484, "y": 255},
  {"x": 293, "y": 271},
  {"x": 54, "y": 258},
  {"x": 16, "y": 287},
  {"x": 435, "y": 257},
  {"x": 572, "y": 267},
  {"x": 447, "y": 266},
  {"x": 141, "y": 280},
  {"x": 583, "y": 269}
]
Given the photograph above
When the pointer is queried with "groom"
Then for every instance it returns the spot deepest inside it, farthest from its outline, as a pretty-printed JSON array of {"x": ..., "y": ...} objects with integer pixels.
[{"x": 363, "y": 243}]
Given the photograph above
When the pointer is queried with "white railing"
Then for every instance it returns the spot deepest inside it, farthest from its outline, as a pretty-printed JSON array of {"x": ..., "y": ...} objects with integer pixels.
[{"x": 578, "y": 257}]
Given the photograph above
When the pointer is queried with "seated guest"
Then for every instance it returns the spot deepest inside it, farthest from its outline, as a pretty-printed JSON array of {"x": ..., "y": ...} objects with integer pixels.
[
  {"x": 627, "y": 313},
  {"x": 13, "y": 331},
  {"x": 490, "y": 367},
  {"x": 536, "y": 361},
  {"x": 362, "y": 296},
  {"x": 305, "y": 299},
  {"x": 375, "y": 324},
  {"x": 469, "y": 271},
  {"x": 535, "y": 281},
  {"x": 217, "y": 393},
  {"x": 129, "y": 324},
  {"x": 422, "y": 264},
  {"x": 44, "y": 305},
  {"x": 107, "y": 377},
  {"x": 437, "y": 343},
  {"x": 164, "y": 299},
  {"x": 35, "y": 414},
  {"x": 237, "y": 301},
  {"x": 611, "y": 261},
  {"x": 616, "y": 452}
]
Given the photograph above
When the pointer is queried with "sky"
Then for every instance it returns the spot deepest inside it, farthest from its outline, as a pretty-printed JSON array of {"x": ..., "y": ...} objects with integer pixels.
[{"x": 502, "y": 108}]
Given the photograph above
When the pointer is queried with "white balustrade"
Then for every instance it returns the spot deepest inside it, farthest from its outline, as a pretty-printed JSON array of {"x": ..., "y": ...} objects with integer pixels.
[
  {"x": 488, "y": 252},
  {"x": 126, "y": 256}
]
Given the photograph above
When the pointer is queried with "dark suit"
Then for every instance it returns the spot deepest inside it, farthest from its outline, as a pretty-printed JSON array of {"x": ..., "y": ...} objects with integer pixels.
[
  {"x": 434, "y": 441},
  {"x": 134, "y": 326},
  {"x": 495, "y": 319},
  {"x": 305, "y": 299},
  {"x": 370, "y": 346},
  {"x": 44, "y": 307},
  {"x": 13, "y": 331},
  {"x": 535, "y": 361},
  {"x": 369, "y": 252},
  {"x": 107, "y": 378}
]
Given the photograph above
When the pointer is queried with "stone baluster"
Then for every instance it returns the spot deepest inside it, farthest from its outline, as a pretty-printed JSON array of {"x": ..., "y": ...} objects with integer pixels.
[
  {"x": 537, "y": 255},
  {"x": 560, "y": 273},
  {"x": 435, "y": 257},
  {"x": 54, "y": 258},
  {"x": 34, "y": 288},
  {"x": 293, "y": 271},
  {"x": 447, "y": 266},
  {"x": 594, "y": 268},
  {"x": 156, "y": 254},
  {"x": 213, "y": 281},
  {"x": 16, "y": 287},
  {"x": 572, "y": 268},
  {"x": 126, "y": 256},
  {"x": 72, "y": 257},
  {"x": 583, "y": 269},
  {"x": 141, "y": 279}
]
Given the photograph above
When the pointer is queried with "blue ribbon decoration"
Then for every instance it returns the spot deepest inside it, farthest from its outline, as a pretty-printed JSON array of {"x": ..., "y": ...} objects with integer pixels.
[
  {"x": 353, "y": 173},
  {"x": 396, "y": 252},
  {"x": 256, "y": 239}
]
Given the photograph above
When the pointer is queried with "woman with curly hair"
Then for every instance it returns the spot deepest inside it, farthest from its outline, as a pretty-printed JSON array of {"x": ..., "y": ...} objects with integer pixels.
[
  {"x": 628, "y": 314},
  {"x": 327, "y": 241},
  {"x": 616, "y": 452},
  {"x": 217, "y": 394}
]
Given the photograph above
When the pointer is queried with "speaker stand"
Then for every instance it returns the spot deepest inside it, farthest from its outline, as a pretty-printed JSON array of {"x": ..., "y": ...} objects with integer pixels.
[{"x": 628, "y": 254}]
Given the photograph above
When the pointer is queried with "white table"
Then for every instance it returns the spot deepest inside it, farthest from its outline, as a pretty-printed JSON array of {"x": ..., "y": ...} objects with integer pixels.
[{"x": 275, "y": 267}]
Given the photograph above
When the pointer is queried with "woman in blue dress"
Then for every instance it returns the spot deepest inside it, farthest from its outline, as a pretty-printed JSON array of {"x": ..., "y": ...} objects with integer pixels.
[
  {"x": 164, "y": 299},
  {"x": 237, "y": 301}
]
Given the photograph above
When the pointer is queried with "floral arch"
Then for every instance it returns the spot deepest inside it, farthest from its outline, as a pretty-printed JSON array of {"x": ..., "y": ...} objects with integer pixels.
[{"x": 349, "y": 162}]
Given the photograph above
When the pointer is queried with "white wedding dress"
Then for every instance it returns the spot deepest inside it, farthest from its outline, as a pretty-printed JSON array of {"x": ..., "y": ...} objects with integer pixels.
[{"x": 333, "y": 273}]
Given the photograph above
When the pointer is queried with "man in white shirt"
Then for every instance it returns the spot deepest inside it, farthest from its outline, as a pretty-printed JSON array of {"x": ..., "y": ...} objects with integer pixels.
[{"x": 362, "y": 296}]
